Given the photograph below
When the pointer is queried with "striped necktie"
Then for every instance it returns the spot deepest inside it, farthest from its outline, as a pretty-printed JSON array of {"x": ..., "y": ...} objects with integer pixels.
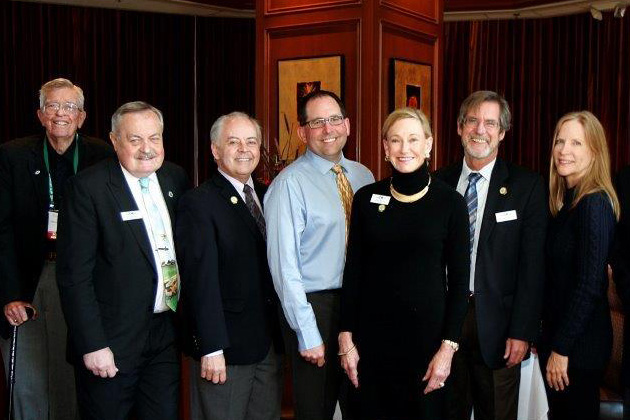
[
  {"x": 255, "y": 210},
  {"x": 345, "y": 193},
  {"x": 471, "y": 201}
]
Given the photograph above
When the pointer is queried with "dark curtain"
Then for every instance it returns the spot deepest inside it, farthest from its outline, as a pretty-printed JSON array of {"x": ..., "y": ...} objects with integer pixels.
[
  {"x": 544, "y": 68},
  {"x": 120, "y": 56}
]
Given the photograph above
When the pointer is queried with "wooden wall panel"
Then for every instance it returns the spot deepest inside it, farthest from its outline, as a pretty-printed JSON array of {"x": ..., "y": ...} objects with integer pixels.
[{"x": 368, "y": 34}]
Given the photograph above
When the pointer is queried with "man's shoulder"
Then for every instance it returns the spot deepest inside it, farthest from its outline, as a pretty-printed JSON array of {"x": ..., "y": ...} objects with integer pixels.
[
  {"x": 519, "y": 172},
  {"x": 353, "y": 165},
  {"x": 96, "y": 143},
  {"x": 21, "y": 145},
  {"x": 94, "y": 172}
]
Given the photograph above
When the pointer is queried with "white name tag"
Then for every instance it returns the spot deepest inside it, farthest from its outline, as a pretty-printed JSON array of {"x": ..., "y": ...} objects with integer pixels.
[
  {"x": 130, "y": 215},
  {"x": 52, "y": 224},
  {"x": 380, "y": 199},
  {"x": 505, "y": 216}
]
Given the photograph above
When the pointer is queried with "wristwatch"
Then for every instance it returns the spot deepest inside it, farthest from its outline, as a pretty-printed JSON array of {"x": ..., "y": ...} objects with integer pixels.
[{"x": 452, "y": 344}]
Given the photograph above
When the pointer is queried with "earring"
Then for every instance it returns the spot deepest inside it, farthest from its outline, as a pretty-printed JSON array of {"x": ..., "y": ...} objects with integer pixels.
[
  {"x": 386, "y": 158},
  {"x": 428, "y": 156}
]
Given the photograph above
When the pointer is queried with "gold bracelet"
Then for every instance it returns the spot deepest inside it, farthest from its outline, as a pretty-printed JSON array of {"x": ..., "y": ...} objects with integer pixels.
[
  {"x": 451, "y": 344},
  {"x": 348, "y": 352}
]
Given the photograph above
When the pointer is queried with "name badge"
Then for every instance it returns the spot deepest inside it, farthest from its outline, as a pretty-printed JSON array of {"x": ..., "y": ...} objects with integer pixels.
[
  {"x": 130, "y": 215},
  {"x": 505, "y": 216},
  {"x": 380, "y": 199},
  {"x": 51, "y": 232}
]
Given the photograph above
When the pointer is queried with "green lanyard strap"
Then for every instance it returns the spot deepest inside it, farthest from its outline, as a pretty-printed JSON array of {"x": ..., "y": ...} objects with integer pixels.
[{"x": 75, "y": 164}]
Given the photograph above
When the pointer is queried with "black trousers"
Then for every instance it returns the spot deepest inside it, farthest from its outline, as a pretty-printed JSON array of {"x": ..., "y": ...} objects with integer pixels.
[
  {"x": 578, "y": 401},
  {"x": 150, "y": 390},
  {"x": 493, "y": 393},
  {"x": 316, "y": 390}
]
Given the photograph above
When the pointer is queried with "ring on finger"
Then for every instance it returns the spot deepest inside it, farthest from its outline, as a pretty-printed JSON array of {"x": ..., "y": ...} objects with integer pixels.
[{"x": 441, "y": 384}]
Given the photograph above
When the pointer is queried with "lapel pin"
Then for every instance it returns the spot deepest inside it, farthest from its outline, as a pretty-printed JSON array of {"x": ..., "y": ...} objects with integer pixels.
[
  {"x": 503, "y": 191},
  {"x": 234, "y": 200},
  {"x": 170, "y": 194},
  {"x": 37, "y": 172},
  {"x": 381, "y": 208}
]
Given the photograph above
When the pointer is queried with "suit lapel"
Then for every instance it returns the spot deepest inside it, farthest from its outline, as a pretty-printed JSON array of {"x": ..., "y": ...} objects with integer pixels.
[
  {"x": 38, "y": 173},
  {"x": 229, "y": 193},
  {"x": 125, "y": 201},
  {"x": 494, "y": 200}
]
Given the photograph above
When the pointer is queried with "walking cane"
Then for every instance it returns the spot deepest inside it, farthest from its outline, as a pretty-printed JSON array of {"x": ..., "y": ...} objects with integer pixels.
[{"x": 13, "y": 353}]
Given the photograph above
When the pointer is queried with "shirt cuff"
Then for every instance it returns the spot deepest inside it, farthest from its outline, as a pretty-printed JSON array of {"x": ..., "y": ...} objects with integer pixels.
[
  {"x": 214, "y": 353},
  {"x": 308, "y": 338}
]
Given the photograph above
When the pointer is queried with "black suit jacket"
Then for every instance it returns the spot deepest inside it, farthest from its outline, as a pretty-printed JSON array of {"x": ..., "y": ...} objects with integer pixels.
[
  {"x": 24, "y": 213},
  {"x": 105, "y": 267},
  {"x": 227, "y": 290},
  {"x": 509, "y": 271},
  {"x": 621, "y": 263}
]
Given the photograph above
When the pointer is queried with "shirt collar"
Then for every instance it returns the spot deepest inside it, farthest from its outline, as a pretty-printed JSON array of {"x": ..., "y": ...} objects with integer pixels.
[
  {"x": 486, "y": 171},
  {"x": 324, "y": 165},
  {"x": 133, "y": 180},
  {"x": 238, "y": 185}
]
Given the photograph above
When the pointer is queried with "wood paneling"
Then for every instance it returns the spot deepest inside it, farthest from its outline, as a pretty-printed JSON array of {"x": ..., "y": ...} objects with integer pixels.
[{"x": 368, "y": 34}]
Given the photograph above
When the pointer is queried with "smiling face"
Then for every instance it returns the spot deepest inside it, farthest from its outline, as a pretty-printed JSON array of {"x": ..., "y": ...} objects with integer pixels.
[
  {"x": 481, "y": 144},
  {"x": 138, "y": 143},
  {"x": 406, "y": 145},
  {"x": 61, "y": 124},
  {"x": 328, "y": 140},
  {"x": 237, "y": 150},
  {"x": 571, "y": 154}
]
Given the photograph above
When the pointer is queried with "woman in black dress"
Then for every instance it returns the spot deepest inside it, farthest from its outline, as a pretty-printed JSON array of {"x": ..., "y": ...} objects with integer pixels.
[
  {"x": 577, "y": 332},
  {"x": 405, "y": 282}
]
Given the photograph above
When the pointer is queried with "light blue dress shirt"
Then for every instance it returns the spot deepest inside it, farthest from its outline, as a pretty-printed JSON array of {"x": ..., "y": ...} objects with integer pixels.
[{"x": 306, "y": 236}]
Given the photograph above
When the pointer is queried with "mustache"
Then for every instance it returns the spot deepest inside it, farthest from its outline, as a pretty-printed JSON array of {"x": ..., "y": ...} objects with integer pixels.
[{"x": 146, "y": 155}]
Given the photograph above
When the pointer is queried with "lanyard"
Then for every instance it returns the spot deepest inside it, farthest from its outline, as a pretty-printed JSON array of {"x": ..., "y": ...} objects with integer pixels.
[{"x": 75, "y": 164}]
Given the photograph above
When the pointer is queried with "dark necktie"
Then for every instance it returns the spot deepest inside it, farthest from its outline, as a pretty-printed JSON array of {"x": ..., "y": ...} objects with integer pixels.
[
  {"x": 471, "y": 201},
  {"x": 255, "y": 210}
]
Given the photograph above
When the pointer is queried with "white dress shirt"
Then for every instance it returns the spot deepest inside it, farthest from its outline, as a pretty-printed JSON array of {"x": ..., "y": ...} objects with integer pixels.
[
  {"x": 482, "y": 194},
  {"x": 156, "y": 194}
]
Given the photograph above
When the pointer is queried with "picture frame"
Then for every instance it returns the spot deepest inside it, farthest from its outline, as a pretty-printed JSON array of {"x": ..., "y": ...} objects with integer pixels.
[
  {"x": 411, "y": 85},
  {"x": 296, "y": 78}
]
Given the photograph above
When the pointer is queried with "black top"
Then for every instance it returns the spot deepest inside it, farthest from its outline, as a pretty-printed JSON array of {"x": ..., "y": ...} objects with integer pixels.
[
  {"x": 397, "y": 298},
  {"x": 61, "y": 169},
  {"x": 576, "y": 321}
]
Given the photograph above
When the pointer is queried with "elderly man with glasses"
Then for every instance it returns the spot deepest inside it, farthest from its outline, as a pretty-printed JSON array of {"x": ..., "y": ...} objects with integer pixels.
[
  {"x": 33, "y": 171},
  {"x": 307, "y": 209}
]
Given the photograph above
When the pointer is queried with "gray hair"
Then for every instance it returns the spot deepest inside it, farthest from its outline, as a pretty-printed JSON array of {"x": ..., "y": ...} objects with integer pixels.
[
  {"x": 217, "y": 127},
  {"x": 475, "y": 100},
  {"x": 60, "y": 83},
  {"x": 133, "y": 107}
]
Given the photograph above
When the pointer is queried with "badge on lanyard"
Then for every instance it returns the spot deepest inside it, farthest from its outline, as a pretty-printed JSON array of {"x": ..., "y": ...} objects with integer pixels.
[{"x": 51, "y": 232}]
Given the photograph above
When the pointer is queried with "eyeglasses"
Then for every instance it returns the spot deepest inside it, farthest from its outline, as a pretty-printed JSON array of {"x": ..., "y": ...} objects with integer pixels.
[
  {"x": 320, "y": 122},
  {"x": 472, "y": 122},
  {"x": 54, "y": 107}
]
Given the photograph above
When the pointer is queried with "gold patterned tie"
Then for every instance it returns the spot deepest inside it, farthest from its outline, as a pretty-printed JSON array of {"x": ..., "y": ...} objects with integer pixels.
[{"x": 345, "y": 193}]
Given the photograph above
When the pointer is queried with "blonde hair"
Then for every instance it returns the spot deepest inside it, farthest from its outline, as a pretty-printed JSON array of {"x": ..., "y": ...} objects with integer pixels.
[
  {"x": 403, "y": 113},
  {"x": 597, "y": 178}
]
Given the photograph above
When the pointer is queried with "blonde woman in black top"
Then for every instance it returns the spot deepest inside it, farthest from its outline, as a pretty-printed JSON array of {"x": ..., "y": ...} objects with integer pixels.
[
  {"x": 405, "y": 281},
  {"x": 577, "y": 331}
]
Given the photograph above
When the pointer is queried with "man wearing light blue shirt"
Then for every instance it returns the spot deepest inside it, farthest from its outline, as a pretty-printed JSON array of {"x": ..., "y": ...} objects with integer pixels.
[{"x": 306, "y": 247}]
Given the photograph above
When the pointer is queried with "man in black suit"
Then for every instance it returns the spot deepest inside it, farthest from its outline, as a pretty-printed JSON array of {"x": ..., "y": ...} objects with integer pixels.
[
  {"x": 228, "y": 292},
  {"x": 621, "y": 275},
  {"x": 117, "y": 274},
  {"x": 508, "y": 215},
  {"x": 33, "y": 171}
]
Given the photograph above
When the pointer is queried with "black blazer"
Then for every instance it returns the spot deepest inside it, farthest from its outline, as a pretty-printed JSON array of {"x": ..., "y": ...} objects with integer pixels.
[
  {"x": 509, "y": 271},
  {"x": 24, "y": 213},
  {"x": 227, "y": 290},
  {"x": 621, "y": 263},
  {"x": 105, "y": 267}
]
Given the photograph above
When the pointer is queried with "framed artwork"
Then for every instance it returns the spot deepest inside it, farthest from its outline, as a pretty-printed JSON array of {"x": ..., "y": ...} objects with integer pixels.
[
  {"x": 411, "y": 86},
  {"x": 297, "y": 78}
]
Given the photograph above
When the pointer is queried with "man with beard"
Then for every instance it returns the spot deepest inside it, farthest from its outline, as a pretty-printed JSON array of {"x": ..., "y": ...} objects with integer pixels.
[
  {"x": 307, "y": 209},
  {"x": 507, "y": 215}
]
